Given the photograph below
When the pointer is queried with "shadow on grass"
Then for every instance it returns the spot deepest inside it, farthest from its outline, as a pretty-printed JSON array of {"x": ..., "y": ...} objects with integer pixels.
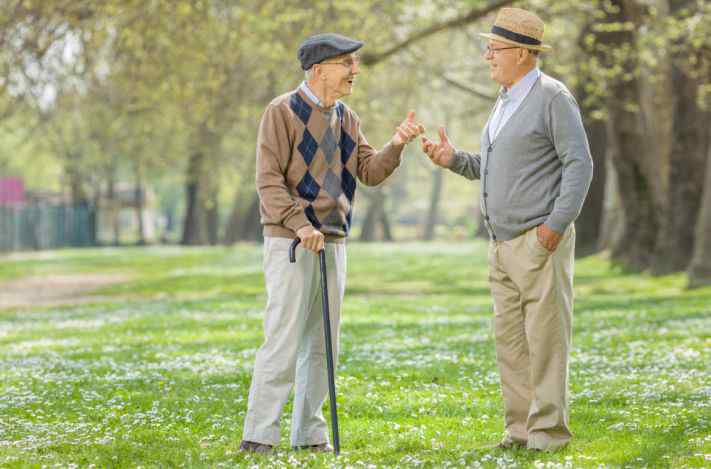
[
  {"x": 669, "y": 303},
  {"x": 422, "y": 290},
  {"x": 209, "y": 284}
]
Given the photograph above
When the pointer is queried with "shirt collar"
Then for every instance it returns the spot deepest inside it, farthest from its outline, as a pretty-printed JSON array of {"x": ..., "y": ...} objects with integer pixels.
[
  {"x": 519, "y": 90},
  {"x": 307, "y": 91}
]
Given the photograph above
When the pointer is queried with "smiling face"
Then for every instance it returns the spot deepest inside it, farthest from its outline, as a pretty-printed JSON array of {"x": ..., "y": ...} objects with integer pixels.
[
  {"x": 508, "y": 63},
  {"x": 502, "y": 60},
  {"x": 334, "y": 77}
]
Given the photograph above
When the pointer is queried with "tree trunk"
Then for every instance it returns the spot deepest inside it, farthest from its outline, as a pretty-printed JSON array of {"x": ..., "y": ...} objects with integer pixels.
[
  {"x": 428, "y": 233},
  {"x": 169, "y": 214},
  {"x": 376, "y": 217},
  {"x": 676, "y": 243},
  {"x": 139, "y": 200},
  {"x": 627, "y": 145},
  {"x": 639, "y": 232},
  {"x": 212, "y": 217},
  {"x": 700, "y": 267},
  {"x": 77, "y": 190},
  {"x": 385, "y": 224},
  {"x": 251, "y": 227},
  {"x": 235, "y": 219},
  {"x": 201, "y": 222},
  {"x": 194, "y": 222},
  {"x": 688, "y": 152},
  {"x": 613, "y": 218},
  {"x": 589, "y": 223},
  {"x": 94, "y": 219},
  {"x": 367, "y": 232},
  {"x": 244, "y": 222},
  {"x": 112, "y": 206}
]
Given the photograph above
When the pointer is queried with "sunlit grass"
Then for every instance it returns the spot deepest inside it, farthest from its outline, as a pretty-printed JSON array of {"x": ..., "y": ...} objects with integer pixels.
[{"x": 155, "y": 372}]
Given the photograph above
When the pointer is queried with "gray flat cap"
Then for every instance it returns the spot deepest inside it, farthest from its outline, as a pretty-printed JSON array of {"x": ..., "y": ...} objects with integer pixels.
[{"x": 320, "y": 47}]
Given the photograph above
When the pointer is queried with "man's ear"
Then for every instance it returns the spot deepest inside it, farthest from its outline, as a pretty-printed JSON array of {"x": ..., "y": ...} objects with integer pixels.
[{"x": 522, "y": 55}]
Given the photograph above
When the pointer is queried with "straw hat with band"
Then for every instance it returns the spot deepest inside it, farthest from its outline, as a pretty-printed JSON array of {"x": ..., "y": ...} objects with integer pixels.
[{"x": 519, "y": 28}]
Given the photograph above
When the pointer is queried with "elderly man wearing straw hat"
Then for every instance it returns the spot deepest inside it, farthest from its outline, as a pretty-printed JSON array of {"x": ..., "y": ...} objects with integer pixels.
[{"x": 535, "y": 169}]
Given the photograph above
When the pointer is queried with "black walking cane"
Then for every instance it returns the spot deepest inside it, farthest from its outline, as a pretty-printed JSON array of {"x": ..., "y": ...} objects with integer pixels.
[{"x": 329, "y": 349}]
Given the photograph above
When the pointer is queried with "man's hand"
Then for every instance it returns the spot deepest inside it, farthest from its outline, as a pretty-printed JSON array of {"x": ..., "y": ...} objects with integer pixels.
[
  {"x": 311, "y": 238},
  {"x": 442, "y": 153},
  {"x": 407, "y": 131},
  {"x": 548, "y": 238}
]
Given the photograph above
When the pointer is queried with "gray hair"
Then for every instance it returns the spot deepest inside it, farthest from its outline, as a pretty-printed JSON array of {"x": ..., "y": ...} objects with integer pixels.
[{"x": 308, "y": 74}]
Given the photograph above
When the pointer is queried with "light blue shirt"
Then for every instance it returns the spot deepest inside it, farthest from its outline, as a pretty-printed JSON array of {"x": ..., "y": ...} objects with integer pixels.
[
  {"x": 510, "y": 100},
  {"x": 307, "y": 91}
]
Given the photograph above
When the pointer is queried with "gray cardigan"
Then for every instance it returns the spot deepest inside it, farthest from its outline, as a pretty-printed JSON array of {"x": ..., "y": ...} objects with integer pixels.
[{"x": 537, "y": 169}]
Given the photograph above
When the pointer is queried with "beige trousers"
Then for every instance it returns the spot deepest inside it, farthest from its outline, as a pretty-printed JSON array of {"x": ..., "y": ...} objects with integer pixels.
[
  {"x": 533, "y": 305},
  {"x": 293, "y": 353}
]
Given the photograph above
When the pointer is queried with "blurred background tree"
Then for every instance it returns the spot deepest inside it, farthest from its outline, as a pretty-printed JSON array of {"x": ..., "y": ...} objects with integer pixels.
[{"x": 134, "y": 107}]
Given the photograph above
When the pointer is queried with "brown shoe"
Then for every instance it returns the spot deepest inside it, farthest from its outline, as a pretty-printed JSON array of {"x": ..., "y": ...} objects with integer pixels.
[
  {"x": 511, "y": 444},
  {"x": 322, "y": 448},
  {"x": 254, "y": 447},
  {"x": 506, "y": 443}
]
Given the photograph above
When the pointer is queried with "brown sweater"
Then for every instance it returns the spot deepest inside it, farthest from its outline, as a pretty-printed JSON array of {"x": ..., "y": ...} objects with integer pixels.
[{"x": 307, "y": 160}]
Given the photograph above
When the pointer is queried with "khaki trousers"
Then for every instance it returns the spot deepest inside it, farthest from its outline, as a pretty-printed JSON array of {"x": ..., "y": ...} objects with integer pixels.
[
  {"x": 293, "y": 353},
  {"x": 533, "y": 305}
]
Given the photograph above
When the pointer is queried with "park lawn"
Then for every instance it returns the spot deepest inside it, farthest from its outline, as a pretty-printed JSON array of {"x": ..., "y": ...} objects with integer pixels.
[{"x": 154, "y": 371}]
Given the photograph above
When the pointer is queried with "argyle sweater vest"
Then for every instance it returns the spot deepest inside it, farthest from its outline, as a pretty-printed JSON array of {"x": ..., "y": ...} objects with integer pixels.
[{"x": 308, "y": 159}]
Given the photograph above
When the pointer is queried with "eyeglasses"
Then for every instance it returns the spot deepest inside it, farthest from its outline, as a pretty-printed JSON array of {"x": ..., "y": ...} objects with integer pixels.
[
  {"x": 348, "y": 63},
  {"x": 486, "y": 50}
]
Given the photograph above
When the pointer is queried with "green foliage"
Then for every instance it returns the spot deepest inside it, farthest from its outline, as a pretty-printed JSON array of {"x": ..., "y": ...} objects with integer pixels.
[
  {"x": 136, "y": 86},
  {"x": 605, "y": 46}
]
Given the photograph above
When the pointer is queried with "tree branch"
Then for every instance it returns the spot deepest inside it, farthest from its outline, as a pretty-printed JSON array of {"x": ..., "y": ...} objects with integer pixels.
[
  {"x": 467, "y": 89},
  {"x": 478, "y": 93},
  {"x": 473, "y": 15}
]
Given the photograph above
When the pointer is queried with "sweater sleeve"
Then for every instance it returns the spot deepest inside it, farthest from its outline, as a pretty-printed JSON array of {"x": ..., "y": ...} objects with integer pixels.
[
  {"x": 278, "y": 207},
  {"x": 466, "y": 164},
  {"x": 375, "y": 166},
  {"x": 571, "y": 145}
]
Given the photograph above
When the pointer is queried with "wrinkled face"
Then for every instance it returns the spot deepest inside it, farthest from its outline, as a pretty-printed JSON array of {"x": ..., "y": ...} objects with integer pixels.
[
  {"x": 338, "y": 74},
  {"x": 503, "y": 61}
]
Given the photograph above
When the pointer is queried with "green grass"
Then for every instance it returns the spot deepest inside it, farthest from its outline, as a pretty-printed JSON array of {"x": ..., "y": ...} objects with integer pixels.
[{"x": 155, "y": 371}]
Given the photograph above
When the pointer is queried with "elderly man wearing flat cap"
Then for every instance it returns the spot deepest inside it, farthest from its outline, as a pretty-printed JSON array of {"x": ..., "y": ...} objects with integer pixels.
[
  {"x": 535, "y": 169},
  {"x": 310, "y": 150}
]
